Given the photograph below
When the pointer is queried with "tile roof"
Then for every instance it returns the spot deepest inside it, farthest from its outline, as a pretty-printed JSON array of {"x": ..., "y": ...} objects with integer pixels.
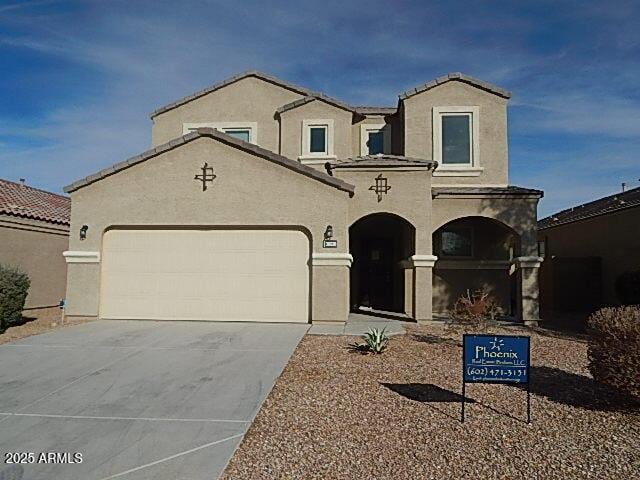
[
  {"x": 223, "y": 138},
  {"x": 364, "y": 110},
  {"x": 459, "y": 77},
  {"x": 602, "y": 206},
  {"x": 500, "y": 191},
  {"x": 229, "y": 81},
  {"x": 382, "y": 160},
  {"x": 27, "y": 202},
  {"x": 315, "y": 96}
]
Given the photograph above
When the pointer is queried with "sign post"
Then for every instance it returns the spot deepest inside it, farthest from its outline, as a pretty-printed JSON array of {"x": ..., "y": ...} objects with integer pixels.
[{"x": 496, "y": 359}]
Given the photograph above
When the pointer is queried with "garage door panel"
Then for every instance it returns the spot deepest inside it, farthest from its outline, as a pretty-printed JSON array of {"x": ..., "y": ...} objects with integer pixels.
[{"x": 236, "y": 275}]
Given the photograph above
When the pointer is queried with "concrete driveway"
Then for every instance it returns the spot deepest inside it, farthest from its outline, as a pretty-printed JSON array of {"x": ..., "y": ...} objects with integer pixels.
[{"x": 138, "y": 400}]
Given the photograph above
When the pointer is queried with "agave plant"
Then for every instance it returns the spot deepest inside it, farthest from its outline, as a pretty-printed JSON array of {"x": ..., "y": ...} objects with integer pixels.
[{"x": 375, "y": 341}]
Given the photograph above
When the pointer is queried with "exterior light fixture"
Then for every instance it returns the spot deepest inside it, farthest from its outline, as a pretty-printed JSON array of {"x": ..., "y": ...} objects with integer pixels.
[
  {"x": 328, "y": 233},
  {"x": 83, "y": 232}
]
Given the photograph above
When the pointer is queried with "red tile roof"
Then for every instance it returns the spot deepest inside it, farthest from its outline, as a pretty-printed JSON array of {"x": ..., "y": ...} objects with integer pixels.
[{"x": 28, "y": 202}]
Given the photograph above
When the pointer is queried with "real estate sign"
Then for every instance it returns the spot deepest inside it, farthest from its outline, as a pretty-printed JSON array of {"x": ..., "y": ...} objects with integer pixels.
[{"x": 496, "y": 359}]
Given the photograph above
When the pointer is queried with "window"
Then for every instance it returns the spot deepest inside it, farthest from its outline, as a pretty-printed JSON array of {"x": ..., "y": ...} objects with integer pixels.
[
  {"x": 455, "y": 141},
  {"x": 317, "y": 141},
  {"x": 542, "y": 248},
  {"x": 244, "y": 135},
  {"x": 457, "y": 242},
  {"x": 245, "y": 131},
  {"x": 375, "y": 138},
  {"x": 375, "y": 143}
]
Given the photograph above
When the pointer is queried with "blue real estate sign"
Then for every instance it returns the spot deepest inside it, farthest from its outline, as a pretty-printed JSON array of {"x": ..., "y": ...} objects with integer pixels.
[{"x": 495, "y": 359}]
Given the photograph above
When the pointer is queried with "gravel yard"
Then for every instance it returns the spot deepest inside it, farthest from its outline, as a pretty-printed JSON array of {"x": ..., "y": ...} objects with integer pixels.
[
  {"x": 35, "y": 322},
  {"x": 336, "y": 414}
]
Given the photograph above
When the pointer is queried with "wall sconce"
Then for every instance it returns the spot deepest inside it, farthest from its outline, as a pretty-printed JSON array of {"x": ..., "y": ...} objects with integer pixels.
[
  {"x": 328, "y": 233},
  {"x": 83, "y": 232}
]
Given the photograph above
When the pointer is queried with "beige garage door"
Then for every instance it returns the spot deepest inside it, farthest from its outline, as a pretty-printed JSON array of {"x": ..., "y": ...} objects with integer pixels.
[{"x": 226, "y": 275}]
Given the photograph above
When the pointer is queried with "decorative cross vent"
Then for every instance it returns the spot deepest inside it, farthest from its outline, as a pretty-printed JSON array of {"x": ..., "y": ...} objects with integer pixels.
[
  {"x": 381, "y": 187},
  {"x": 207, "y": 175}
]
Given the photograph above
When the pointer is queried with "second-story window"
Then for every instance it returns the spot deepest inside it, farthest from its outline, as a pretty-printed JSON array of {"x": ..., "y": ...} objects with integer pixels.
[
  {"x": 317, "y": 140},
  {"x": 455, "y": 137},
  {"x": 375, "y": 138},
  {"x": 245, "y": 131}
]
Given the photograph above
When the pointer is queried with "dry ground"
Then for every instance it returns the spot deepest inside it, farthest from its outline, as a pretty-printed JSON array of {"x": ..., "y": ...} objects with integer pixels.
[
  {"x": 334, "y": 414},
  {"x": 35, "y": 322}
]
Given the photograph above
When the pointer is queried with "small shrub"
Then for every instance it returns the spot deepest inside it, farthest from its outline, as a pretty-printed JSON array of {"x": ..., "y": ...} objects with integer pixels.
[
  {"x": 474, "y": 311},
  {"x": 14, "y": 286},
  {"x": 375, "y": 341},
  {"x": 628, "y": 288},
  {"x": 614, "y": 348}
]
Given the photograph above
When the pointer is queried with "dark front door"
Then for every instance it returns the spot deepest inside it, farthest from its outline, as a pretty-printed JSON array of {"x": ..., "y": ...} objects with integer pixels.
[{"x": 376, "y": 273}]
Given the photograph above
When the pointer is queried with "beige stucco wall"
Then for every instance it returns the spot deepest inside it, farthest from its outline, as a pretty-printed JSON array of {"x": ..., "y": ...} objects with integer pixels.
[
  {"x": 516, "y": 212},
  {"x": 356, "y": 133},
  {"x": 37, "y": 248},
  {"x": 409, "y": 198},
  {"x": 418, "y": 129},
  {"x": 450, "y": 284},
  {"x": 249, "y": 99},
  {"x": 291, "y": 128},
  {"x": 610, "y": 237},
  {"x": 248, "y": 191}
]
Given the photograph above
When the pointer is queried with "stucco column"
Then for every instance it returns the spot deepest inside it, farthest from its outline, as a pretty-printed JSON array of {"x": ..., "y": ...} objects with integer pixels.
[
  {"x": 528, "y": 289},
  {"x": 330, "y": 287},
  {"x": 423, "y": 287}
]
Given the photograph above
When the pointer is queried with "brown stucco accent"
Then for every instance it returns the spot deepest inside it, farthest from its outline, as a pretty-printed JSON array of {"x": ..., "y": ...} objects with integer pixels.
[
  {"x": 36, "y": 247},
  {"x": 457, "y": 77},
  {"x": 223, "y": 138},
  {"x": 229, "y": 81}
]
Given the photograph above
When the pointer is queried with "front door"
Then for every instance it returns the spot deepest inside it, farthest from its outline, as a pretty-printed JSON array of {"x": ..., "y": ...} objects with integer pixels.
[{"x": 376, "y": 273}]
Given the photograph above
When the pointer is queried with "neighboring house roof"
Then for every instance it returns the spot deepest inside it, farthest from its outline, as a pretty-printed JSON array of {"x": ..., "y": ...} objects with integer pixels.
[
  {"x": 27, "y": 202},
  {"x": 382, "y": 161},
  {"x": 316, "y": 96},
  {"x": 484, "y": 191},
  {"x": 602, "y": 206},
  {"x": 364, "y": 110},
  {"x": 229, "y": 81},
  {"x": 223, "y": 138},
  {"x": 455, "y": 77}
]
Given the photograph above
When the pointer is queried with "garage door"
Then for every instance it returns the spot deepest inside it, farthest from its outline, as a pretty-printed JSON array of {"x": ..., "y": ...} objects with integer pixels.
[{"x": 226, "y": 275}]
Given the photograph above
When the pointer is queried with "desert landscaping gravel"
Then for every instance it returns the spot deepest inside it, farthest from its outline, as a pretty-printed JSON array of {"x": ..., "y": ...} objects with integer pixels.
[
  {"x": 335, "y": 414},
  {"x": 36, "y": 322}
]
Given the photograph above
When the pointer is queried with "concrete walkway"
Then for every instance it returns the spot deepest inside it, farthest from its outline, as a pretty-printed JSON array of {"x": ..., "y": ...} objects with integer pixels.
[
  {"x": 361, "y": 322},
  {"x": 137, "y": 399}
]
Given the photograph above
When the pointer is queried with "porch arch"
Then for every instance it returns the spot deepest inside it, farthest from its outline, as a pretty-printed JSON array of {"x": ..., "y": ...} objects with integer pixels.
[
  {"x": 379, "y": 243},
  {"x": 475, "y": 253}
]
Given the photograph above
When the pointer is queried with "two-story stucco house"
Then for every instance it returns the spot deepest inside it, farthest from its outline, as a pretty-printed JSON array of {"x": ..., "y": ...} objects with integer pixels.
[{"x": 264, "y": 201}]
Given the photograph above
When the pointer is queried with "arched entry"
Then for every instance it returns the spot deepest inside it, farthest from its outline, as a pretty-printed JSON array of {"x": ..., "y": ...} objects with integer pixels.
[
  {"x": 475, "y": 253},
  {"x": 379, "y": 243}
]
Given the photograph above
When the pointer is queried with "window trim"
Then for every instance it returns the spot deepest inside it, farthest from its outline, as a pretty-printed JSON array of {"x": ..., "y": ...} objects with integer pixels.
[
  {"x": 224, "y": 126},
  {"x": 306, "y": 153},
  {"x": 460, "y": 257},
  {"x": 366, "y": 128},
  {"x": 472, "y": 169}
]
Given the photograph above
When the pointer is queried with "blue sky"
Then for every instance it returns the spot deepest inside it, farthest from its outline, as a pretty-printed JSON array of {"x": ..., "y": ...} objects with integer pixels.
[{"x": 79, "y": 78}]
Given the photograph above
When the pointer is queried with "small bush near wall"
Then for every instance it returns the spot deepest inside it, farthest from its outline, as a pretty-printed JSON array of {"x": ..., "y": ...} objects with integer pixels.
[
  {"x": 474, "y": 311},
  {"x": 614, "y": 348},
  {"x": 14, "y": 286},
  {"x": 628, "y": 288}
]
